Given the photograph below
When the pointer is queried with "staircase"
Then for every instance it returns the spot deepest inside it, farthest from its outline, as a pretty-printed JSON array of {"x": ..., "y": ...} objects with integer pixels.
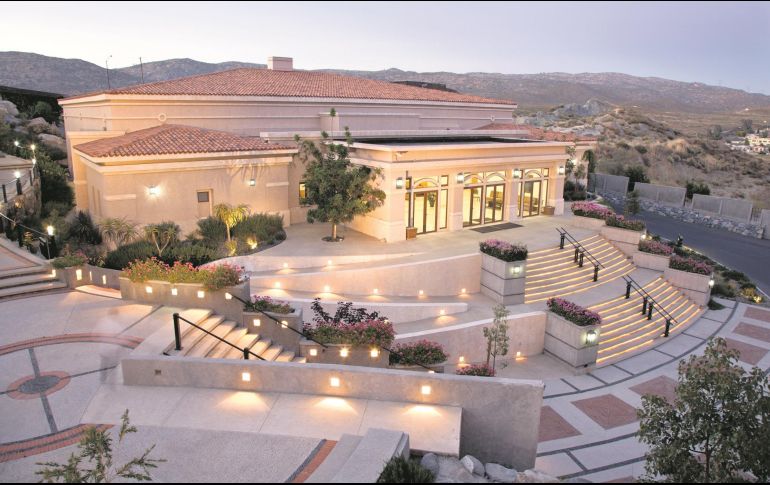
[
  {"x": 625, "y": 331},
  {"x": 197, "y": 343},
  {"x": 554, "y": 273}
]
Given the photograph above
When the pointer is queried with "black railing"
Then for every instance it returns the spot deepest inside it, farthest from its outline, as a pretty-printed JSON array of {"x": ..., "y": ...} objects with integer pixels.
[
  {"x": 15, "y": 187},
  {"x": 649, "y": 304},
  {"x": 581, "y": 252},
  {"x": 246, "y": 351},
  {"x": 47, "y": 240}
]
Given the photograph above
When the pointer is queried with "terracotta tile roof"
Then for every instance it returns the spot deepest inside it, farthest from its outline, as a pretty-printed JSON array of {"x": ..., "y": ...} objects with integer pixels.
[
  {"x": 175, "y": 139},
  {"x": 303, "y": 84},
  {"x": 537, "y": 133}
]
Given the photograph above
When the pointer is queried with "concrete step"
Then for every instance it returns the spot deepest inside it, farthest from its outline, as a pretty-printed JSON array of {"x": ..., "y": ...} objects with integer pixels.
[
  {"x": 336, "y": 459},
  {"x": 31, "y": 270},
  {"x": 32, "y": 289},
  {"x": 375, "y": 449},
  {"x": 246, "y": 340},
  {"x": 286, "y": 356},
  {"x": 193, "y": 335},
  {"x": 27, "y": 279},
  {"x": 221, "y": 350},
  {"x": 587, "y": 283},
  {"x": 207, "y": 343},
  {"x": 546, "y": 253},
  {"x": 272, "y": 353},
  {"x": 573, "y": 271}
]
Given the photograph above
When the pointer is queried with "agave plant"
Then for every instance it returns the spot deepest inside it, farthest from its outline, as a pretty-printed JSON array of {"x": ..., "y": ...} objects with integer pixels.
[
  {"x": 119, "y": 231},
  {"x": 231, "y": 215},
  {"x": 161, "y": 235}
]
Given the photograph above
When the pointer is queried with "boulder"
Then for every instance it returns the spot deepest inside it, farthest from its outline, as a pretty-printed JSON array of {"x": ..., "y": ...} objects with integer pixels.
[
  {"x": 53, "y": 141},
  {"x": 452, "y": 471},
  {"x": 473, "y": 465},
  {"x": 430, "y": 462},
  {"x": 499, "y": 473},
  {"x": 9, "y": 108},
  {"x": 536, "y": 476}
]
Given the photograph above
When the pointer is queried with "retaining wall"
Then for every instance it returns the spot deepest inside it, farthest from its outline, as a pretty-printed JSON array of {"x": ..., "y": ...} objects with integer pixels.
[
  {"x": 89, "y": 275},
  {"x": 602, "y": 182},
  {"x": 737, "y": 209},
  {"x": 695, "y": 286},
  {"x": 500, "y": 420},
  {"x": 764, "y": 222},
  {"x": 662, "y": 194}
]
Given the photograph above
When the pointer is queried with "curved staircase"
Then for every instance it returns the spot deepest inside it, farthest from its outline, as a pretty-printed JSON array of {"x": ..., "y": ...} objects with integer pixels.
[
  {"x": 553, "y": 272},
  {"x": 626, "y": 331}
]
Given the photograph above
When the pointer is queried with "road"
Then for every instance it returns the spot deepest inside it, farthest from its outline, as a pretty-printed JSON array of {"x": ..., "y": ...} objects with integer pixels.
[{"x": 746, "y": 254}]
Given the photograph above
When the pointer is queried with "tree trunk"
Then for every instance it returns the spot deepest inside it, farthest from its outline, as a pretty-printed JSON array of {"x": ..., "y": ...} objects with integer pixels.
[
  {"x": 228, "y": 233},
  {"x": 334, "y": 232}
]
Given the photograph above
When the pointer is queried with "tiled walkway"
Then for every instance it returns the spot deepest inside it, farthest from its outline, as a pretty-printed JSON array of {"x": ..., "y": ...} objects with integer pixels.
[{"x": 588, "y": 424}]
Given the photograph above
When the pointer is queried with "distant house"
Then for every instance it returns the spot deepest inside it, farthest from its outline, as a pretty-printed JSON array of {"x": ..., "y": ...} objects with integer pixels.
[{"x": 756, "y": 140}]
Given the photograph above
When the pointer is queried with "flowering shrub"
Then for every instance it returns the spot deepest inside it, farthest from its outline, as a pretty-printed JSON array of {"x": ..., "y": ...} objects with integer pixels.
[
  {"x": 213, "y": 278},
  {"x": 655, "y": 247},
  {"x": 574, "y": 313},
  {"x": 691, "y": 265},
  {"x": 418, "y": 353},
  {"x": 504, "y": 250},
  {"x": 368, "y": 332},
  {"x": 592, "y": 210},
  {"x": 70, "y": 260},
  {"x": 480, "y": 370},
  {"x": 267, "y": 304},
  {"x": 623, "y": 223}
]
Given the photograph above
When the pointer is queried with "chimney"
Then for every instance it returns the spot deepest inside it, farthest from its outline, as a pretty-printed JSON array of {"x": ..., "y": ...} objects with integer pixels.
[{"x": 280, "y": 63}]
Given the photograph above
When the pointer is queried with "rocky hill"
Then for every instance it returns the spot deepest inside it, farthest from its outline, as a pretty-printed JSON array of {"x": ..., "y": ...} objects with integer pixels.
[{"x": 74, "y": 76}]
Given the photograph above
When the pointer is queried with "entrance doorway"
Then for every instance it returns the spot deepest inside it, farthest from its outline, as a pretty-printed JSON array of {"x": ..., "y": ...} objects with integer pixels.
[
  {"x": 425, "y": 211},
  {"x": 530, "y": 198},
  {"x": 472, "y": 206},
  {"x": 493, "y": 203}
]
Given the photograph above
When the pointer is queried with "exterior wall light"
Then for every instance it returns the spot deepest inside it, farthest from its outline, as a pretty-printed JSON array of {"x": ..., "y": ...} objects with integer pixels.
[
  {"x": 277, "y": 284},
  {"x": 228, "y": 296},
  {"x": 516, "y": 270},
  {"x": 104, "y": 279},
  {"x": 327, "y": 289},
  {"x": 285, "y": 265},
  {"x": 148, "y": 289},
  {"x": 344, "y": 352},
  {"x": 517, "y": 173},
  {"x": 256, "y": 322},
  {"x": 284, "y": 324},
  {"x": 329, "y": 262},
  {"x": 313, "y": 352},
  {"x": 79, "y": 274},
  {"x": 643, "y": 237},
  {"x": 374, "y": 353},
  {"x": 246, "y": 377},
  {"x": 442, "y": 312},
  {"x": 201, "y": 293},
  {"x": 49, "y": 230},
  {"x": 425, "y": 390},
  {"x": 334, "y": 382},
  {"x": 591, "y": 337},
  {"x": 421, "y": 293},
  {"x": 174, "y": 292},
  {"x": 252, "y": 182},
  {"x": 460, "y": 178},
  {"x": 153, "y": 190},
  {"x": 53, "y": 273},
  {"x": 400, "y": 183},
  {"x": 461, "y": 360},
  {"x": 562, "y": 170},
  {"x": 711, "y": 283},
  {"x": 463, "y": 291}
]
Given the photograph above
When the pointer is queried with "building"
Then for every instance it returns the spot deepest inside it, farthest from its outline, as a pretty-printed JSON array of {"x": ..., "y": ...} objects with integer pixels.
[{"x": 171, "y": 150}]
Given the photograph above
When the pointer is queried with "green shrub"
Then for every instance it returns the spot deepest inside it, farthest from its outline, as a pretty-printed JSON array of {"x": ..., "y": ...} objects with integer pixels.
[
  {"x": 260, "y": 228},
  {"x": 476, "y": 370},
  {"x": 196, "y": 254},
  {"x": 418, "y": 353},
  {"x": 404, "y": 470},
  {"x": 53, "y": 184},
  {"x": 122, "y": 256},
  {"x": 212, "y": 232},
  {"x": 54, "y": 207},
  {"x": 697, "y": 188},
  {"x": 69, "y": 260},
  {"x": 82, "y": 230}
]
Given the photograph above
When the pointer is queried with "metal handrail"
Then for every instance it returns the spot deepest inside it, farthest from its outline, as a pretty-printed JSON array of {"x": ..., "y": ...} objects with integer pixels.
[
  {"x": 277, "y": 322},
  {"x": 18, "y": 224},
  {"x": 246, "y": 351},
  {"x": 649, "y": 303},
  {"x": 578, "y": 245}
]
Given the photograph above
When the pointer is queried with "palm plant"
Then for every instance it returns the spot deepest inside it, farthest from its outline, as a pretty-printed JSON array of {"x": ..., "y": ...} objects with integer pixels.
[
  {"x": 161, "y": 235},
  {"x": 231, "y": 215},
  {"x": 119, "y": 231}
]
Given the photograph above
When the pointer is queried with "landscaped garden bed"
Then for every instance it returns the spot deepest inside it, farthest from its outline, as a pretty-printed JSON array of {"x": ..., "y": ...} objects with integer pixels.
[
  {"x": 572, "y": 334},
  {"x": 273, "y": 320},
  {"x": 653, "y": 255},
  {"x": 418, "y": 356},
  {"x": 504, "y": 270}
]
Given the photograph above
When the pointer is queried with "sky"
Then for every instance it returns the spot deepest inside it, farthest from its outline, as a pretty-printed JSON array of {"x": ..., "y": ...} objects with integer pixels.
[{"x": 720, "y": 43}]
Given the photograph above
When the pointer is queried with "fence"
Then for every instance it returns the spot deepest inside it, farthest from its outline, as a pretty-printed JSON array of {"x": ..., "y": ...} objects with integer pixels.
[
  {"x": 602, "y": 182},
  {"x": 737, "y": 209},
  {"x": 662, "y": 194},
  {"x": 764, "y": 221}
]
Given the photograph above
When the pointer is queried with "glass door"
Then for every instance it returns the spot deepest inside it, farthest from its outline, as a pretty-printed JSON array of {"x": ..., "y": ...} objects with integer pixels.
[
  {"x": 493, "y": 203},
  {"x": 425, "y": 214},
  {"x": 530, "y": 199},
  {"x": 472, "y": 206}
]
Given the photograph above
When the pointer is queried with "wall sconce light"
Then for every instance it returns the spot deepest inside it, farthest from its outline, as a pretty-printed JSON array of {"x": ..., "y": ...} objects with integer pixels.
[
  {"x": 400, "y": 183},
  {"x": 174, "y": 292},
  {"x": 517, "y": 173},
  {"x": 49, "y": 230},
  {"x": 460, "y": 179},
  {"x": 313, "y": 352},
  {"x": 591, "y": 337},
  {"x": 344, "y": 352},
  {"x": 153, "y": 190},
  {"x": 252, "y": 182},
  {"x": 246, "y": 377},
  {"x": 201, "y": 293},
  {"x": 374, "y": 353},
  {"x": 562, "y": 170},
  {"x": 425, "y": 390},
  {"x": 334, "y": 382},
  {"x": 256, "y": 322}
]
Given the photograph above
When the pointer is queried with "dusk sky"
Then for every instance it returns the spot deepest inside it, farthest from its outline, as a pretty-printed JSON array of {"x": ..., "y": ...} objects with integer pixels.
[{"x": 717, "y": 43}]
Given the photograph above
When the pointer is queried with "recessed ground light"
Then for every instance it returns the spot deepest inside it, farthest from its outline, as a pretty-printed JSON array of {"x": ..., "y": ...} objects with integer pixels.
[
  {"x": 374, "y": 353},
  {"x": 148, "y": 289},
  {"x": 313, "y": 352},
  {"x": 327, "y": 289},
  {"x": 344, "y": 352},
  {"x": 174, "y": 292},
  {"x": 256, "y": 322},
  {"x": 334, "y": 382},
  {"x": 246, "y": 377},
  {"x": 201, "y": 293},
  {"x": 285, "y": 265},
  {"x": 425, "y": 390},
  {"x": 277, "y": 284}
]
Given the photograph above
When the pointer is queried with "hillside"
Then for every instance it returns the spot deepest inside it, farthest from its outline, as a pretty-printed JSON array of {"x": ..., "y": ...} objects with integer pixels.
[{"x": 74, "y": 76}]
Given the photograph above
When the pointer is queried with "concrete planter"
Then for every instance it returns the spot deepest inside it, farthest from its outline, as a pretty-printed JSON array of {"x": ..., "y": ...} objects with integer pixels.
[
  {"x": 278, "y": 333},
  {"x": 188, "y": 295},
  {"x": 438, "y": 368},
  {"x": 587, "y": 222},
  {"x": 651, "y": 261},
  {"x": 503, "y": 281},
  {"x": 356, "y": 355},
  {"x": 569, "y": 342},
  {"x": 89, "y": 275},
  {"x": 625, "y": 240},
  {"x": 695, "y": 286}
]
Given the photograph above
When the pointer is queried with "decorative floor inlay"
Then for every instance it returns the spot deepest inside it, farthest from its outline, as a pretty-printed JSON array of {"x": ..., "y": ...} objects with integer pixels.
[
  {"x": 751, "y": 354},
  {"x": 753, "y": 331},
  {"x": 43, "y": 444},
  {"x": 757, "y": 314},
  {"x": 607, "y": 411},
  {"x": 662, "y": 386},
  {"x": 32, "y": 387},
  {"x": 554, "y": 427}
]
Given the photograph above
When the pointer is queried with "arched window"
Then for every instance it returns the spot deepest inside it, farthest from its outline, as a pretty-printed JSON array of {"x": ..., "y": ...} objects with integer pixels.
[
  {"x": 495, "y": 177},
  {"x": 425, "y": 183}
]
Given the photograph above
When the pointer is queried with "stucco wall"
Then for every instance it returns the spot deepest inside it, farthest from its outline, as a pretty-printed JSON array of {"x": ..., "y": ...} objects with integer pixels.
[
  {"x": 662, "y": 194},
  {"x": 602, "y": 182},
  {"x": 500, "y": 421},
  {"x": 738, "y": 209}
]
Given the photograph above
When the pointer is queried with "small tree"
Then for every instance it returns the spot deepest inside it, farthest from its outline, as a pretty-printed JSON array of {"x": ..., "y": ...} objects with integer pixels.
[
  {"x": 589, "y": 156},
  {"x": 118, "y": 231},
  {"x": 717, "y": 428},
  {"x": 497, "y": 335},
  {"x": 338, "y": 189},
  {"x": 636, "y": 173},
  {"x": 162, "y": 235},
  {"x": 569, "y": 166},
  {"x": 231, "y": 216},
  {"x": 632, "y": 206},
  {"x": 96, "y": 448}
]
